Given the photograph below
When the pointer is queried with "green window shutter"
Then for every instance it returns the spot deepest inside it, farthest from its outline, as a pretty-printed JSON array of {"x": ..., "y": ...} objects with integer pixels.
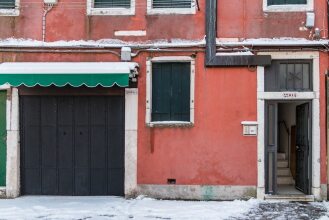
[
  {"x": 287, "y": 2},
  {"x": 180, "y": 100},
  {"x": 7, "y": 4},
  {"x": 161, "y": 92},
  {"x": 3, "y": 135},
  {"x": 171, "y": 91},
  {"x": 112, "y": 3},
  {"x": 172, "y": 4}
]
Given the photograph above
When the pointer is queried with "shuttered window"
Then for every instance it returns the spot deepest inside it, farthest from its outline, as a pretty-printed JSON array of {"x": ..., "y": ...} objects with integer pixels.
[
  {"x": 287, "y": 2},
  {"x": 7, "y": 4},
  {"x": 172, "y": 4},
  {"x": 289, "y": 75},
  {"x": 112, "y": 3},
  {"x": 171, "y": 91}
]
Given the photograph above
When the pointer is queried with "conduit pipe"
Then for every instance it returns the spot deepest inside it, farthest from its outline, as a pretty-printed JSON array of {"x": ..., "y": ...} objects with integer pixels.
[{"x": 46, "y": 9}]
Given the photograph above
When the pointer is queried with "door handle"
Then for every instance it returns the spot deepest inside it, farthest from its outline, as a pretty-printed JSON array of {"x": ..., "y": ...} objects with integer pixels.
[{"x": 297, "y": 147}]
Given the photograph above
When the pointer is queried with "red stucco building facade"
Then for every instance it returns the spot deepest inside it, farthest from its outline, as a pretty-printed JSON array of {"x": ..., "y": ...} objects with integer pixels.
[{"x": 233, "y": 143}]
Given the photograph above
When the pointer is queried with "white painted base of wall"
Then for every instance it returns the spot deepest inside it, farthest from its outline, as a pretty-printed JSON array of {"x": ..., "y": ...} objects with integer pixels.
[
  {"x": 260, "y": 193},
  {"x": 197, "y": 192},
  {"x": 2, "y": 192},
  {"x": 324, "y": 192}
]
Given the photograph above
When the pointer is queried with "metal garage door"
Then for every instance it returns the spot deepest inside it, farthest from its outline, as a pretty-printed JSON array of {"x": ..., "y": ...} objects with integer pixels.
[{"x": 72, "y": 145}]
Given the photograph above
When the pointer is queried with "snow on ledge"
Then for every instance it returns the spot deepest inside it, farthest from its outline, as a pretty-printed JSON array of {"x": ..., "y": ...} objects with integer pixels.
[
  {"x": 103, "y": 43},
  {"x": 272, "y": 42},
  {"x": 239, "y": 53},
  {"x": 115, "y": 43}
]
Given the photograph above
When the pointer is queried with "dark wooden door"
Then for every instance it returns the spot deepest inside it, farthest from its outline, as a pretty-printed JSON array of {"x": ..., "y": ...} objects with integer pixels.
[
  {"x": 72, "y": 145},
  {"x": 271, "y": 147},
  {"x": 303, "y": 126}
]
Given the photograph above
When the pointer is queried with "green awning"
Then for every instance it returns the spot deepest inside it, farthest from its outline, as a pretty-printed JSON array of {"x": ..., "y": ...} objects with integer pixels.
[{"x": 90, "y": 74}]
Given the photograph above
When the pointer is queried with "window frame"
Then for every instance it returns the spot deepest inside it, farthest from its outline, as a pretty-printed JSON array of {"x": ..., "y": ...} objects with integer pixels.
[
  {"x": 168, "y": 11},
  {"x": 91, "y": 10},
  {"x": 309, "y": 6},
  {"x": 11, "y": 12},
  {"x": 169, "y": 59}
]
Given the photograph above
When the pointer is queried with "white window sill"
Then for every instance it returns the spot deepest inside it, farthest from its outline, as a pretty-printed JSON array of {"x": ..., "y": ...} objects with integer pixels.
[
  {"x": 169, "y": 11},
  {"x": 288, "y": 8},
  {"x": 110, "y": 11},
  {"x": 170, "y": 124},
  {"x": 9, "y": 12}
]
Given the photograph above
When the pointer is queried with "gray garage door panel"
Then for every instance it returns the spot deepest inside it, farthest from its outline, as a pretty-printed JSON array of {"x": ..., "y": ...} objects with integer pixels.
[{"x": 72, "y": 145}]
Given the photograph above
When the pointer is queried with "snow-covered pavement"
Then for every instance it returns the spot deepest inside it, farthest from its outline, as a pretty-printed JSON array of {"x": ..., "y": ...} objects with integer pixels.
[{"x": 48, "y": 207}]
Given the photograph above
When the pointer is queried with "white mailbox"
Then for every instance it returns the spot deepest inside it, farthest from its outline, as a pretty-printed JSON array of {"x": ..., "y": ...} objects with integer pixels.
[{"x": 250, "y": 128}]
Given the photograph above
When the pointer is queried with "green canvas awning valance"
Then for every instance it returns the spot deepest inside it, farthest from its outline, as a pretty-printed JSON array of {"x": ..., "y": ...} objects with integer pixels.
[{"x": 90, "y": 74}]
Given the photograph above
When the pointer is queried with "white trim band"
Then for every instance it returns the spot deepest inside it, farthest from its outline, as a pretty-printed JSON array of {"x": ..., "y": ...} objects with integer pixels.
[
  {"x": 67, "y": 67},
  {"x": 139, "y": 33}
]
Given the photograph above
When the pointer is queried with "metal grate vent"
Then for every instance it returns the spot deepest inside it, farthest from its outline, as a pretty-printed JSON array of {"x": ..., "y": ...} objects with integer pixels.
[
  {"x": 112, "y": 3},
  {"x": 172, "y": 4},
  {"x": 287, "y": 2},
  {"x": 7, "y": 4}
]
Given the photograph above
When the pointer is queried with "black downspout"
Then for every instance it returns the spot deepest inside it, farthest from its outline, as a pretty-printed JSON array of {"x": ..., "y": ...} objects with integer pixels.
[{"x": 211, "y": 32}]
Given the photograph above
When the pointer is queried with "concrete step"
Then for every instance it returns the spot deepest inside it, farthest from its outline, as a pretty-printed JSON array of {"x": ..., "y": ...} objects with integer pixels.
[
  {"x": 285, "y": 180},
  {"x": 281, "y": 156},
  {"x": 282, "y": 163},
  {"x": 285, "y": 171},
  {"x": 290, "y": 198}
]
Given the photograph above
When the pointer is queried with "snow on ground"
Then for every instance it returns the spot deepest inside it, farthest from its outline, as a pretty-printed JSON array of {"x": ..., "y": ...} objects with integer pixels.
[
  {"x": 286, "y": 210},
  {"x": 143, "y": 208},
  {"x": 326, "y": 205},
  {"x": 47, "y": 207}
]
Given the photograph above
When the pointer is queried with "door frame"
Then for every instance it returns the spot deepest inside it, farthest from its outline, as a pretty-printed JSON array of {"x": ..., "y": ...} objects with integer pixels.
[
  {"x": 13, "y": 147},
  {"x": 313, "y": 96},
  {"x": 276, "y": 102}
]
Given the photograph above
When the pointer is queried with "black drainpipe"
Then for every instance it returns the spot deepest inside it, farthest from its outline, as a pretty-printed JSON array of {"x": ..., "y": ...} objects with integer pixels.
[{"x": 211, "y": 32}]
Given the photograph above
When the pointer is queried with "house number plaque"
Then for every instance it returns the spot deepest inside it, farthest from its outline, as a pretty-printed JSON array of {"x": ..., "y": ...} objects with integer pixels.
[{"x": 290, "y": 95}]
